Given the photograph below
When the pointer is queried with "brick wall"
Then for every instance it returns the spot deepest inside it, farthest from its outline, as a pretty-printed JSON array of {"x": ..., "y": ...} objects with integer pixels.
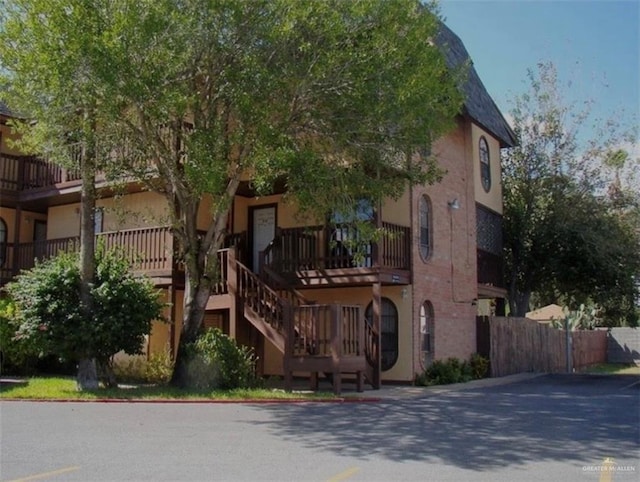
[{"x": 448, "y": 277}]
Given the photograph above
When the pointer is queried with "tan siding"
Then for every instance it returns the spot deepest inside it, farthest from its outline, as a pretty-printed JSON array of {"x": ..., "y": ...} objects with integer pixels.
[
  {"x": 64, "y": 221},
  {"x": 204, "y": 213},
  {"x": 160, "y": 337},
  {"x": 9, "y": 217},
  {"x": 131, "y": 211},
  {"x": 398, "y": 211},
  {"x": 136, "y": 210},
  {"x": 493, "y": 198},
  {"x": 26, "y": 224}
]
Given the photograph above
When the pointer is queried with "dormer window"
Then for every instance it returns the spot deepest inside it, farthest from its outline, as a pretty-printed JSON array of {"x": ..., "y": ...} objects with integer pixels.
[{"x": 485, "y": 164}]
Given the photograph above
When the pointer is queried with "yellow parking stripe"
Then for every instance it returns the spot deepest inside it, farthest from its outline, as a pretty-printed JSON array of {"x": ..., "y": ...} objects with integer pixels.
[
  {"x": 47, "y": 474},
  {"x": 606, "y": 474},
  {"x": 344, "y": 475}
]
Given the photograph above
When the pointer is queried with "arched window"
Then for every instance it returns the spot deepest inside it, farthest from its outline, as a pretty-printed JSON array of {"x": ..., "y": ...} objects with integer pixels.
[
  {"x": 389, "y": 332},
  {"x": 3, "y": 242},
  {"x": 426, "y": 334},
  {"x": 485, "y": 164},
  {"x": 425, "y": 221}
]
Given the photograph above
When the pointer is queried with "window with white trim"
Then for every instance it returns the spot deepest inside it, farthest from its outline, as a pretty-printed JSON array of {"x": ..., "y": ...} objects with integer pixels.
[
  {"x": 424, "y": 225},
  {"x": 388, "y": 331},
  {"x": 485, "y": 164},
  {"x": 426, "y": 334}
]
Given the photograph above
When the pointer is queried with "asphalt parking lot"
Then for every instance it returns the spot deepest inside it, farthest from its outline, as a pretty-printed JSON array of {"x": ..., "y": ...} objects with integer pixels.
[{"x": 569, "y": 428}]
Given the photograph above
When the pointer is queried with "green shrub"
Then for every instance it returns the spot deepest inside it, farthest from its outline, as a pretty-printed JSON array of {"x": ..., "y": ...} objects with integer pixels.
[
  {"x": 445, "y": 372},
  {"x": 131, "y": 369},
  {"x": 18, "y": 354},
  {"x": 49, "y": 315},
  {"x": 217, "y": 362},
  {"x": 479, "y": 366},
  {"x": 157, "y": 369}
]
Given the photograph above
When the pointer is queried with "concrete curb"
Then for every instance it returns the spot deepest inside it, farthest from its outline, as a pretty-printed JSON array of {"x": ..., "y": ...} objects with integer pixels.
[
  {"x": 265, "y": 401},
  {"x": 404, "y": 392},
  {"x": 386, "y": 393}
]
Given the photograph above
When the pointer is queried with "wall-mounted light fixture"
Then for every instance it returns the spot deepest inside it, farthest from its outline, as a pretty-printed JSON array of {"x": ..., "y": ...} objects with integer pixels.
[{"x": 455, "y": 204}]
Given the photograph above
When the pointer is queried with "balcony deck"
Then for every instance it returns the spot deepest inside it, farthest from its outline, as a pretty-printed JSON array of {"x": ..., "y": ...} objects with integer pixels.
[
  {"x": 321, "y": 256},
  {"x": 149, "y": 250}
]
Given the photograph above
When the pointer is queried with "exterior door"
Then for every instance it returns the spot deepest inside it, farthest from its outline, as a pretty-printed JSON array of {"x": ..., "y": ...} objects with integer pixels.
[
  {"x": 40, "y": 238},
  {"x": 263, "y": 230}
]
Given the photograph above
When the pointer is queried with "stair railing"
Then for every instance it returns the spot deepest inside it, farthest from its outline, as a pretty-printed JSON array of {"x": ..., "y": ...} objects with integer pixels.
[{"x": 262, "y": 299}]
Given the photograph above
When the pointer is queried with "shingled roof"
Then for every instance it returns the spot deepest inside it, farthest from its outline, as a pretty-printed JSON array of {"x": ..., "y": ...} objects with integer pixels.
[
  {"x": 4, "y": 110},
  {"x": 478, "y": 103}
]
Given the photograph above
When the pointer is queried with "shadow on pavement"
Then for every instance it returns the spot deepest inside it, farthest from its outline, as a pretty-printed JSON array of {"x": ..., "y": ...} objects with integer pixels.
[{"x": 549, "y": 418}]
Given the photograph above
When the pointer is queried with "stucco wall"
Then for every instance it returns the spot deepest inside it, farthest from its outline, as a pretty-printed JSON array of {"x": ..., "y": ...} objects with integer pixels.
[
  {"x": 493, "y": 198},
  {"x": 131, "y": 211},
  {"x": 26, "y": 224},
  {"x": 160, "y": 337},
  {"x": 398, "y": 211}
]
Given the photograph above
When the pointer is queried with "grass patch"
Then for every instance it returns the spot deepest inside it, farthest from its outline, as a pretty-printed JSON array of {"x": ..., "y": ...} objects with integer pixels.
[
  {"x": 614, "y": 369},
  {"x": 59, "y": 388}
]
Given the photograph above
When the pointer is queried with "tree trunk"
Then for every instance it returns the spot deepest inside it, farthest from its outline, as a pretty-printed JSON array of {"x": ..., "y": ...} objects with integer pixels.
[
  {"x": 201, "y": 271},
  {"x": 195, "y": 303},
  {"x": 87, "y": 377},
  {"x": 105, "y": 373},
  {"x": 519, "y": 303}
]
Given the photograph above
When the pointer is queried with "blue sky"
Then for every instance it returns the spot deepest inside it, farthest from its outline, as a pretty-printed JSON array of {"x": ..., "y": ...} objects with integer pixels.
[{"x": 595, "y": 44}]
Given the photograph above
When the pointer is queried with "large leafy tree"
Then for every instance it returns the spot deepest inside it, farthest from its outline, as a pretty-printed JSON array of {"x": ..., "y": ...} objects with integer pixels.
[
  {"x": 570, "y": 229},
  {"x": 51, "y": 63},
  {"x": 333, "y": 97}
]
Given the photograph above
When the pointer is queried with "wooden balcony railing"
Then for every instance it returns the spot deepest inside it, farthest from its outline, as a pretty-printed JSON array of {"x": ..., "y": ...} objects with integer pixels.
[
  {"x": 19, "y": 173},
  {"x": 396, "y": 246},
  {"x": 10, "y": 178},
  {"x": 326, "y": 330},
  {"x": 149, "y": 250},
  {"x": 221, "y": 286},
  {"x": 15, "y": 258},
  {"x": 327, "y": 247}
]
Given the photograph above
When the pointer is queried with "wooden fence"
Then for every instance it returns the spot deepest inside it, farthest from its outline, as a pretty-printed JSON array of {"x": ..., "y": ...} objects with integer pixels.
[{"x": 521, "y": 345}]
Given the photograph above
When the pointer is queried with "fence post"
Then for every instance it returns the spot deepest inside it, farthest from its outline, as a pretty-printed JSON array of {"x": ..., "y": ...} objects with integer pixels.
[
  {"x": 336, "y": 345},
  {"x": 287, "y": 312},
  {"x": 569, "y": 351}
]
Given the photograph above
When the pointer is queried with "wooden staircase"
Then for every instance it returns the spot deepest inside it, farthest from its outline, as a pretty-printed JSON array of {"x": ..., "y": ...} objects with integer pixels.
[{"x": 313, "y": 338}]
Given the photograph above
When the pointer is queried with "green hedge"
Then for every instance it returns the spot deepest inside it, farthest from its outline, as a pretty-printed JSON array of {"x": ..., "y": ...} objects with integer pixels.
[{"x": 453, "y": 370}]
